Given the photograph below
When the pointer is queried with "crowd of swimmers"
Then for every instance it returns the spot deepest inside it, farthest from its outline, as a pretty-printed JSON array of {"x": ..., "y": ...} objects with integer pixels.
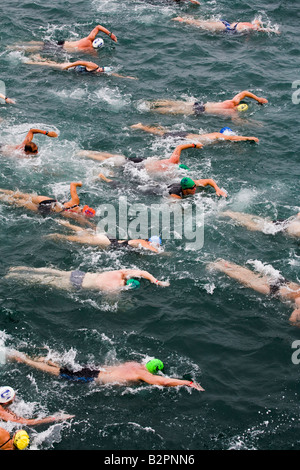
[{"x": 150, "y": 372}]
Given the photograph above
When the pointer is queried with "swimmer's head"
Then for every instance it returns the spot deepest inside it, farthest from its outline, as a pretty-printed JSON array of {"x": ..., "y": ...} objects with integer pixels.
[
  {"x": 98, "y": 43},
  {"x": 133, "y": 283},
  {"x": 188, "y": 184},
  {"x": 7, "y": 394},
  {"x": 154, "y": 365},
  {"x": 31, "y": 147},
  {"x": 227, "y": 131},
  {"x": 88, "y": 211},
  {"x": 183, "y": 166},
  {"x": 155, "y": 240},
  {"x": 242, "y": 107},
  {"x": 21, "y": 439}
]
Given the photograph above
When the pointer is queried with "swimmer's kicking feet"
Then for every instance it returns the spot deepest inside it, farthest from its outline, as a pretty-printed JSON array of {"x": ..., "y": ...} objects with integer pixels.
[
  {"x": 121, "y": 374},
  {"x": 27, "y": 147},
  {"x": 279, "y": 288},
  {"x": 80, "y": 66},
  {"x": 86, "y": 44},
  {"x": 224, "y": 134},
  {"x": 230, "y": 108},
  {"x": 290, "y": 226},
  {"x": 106, "y": 281}
]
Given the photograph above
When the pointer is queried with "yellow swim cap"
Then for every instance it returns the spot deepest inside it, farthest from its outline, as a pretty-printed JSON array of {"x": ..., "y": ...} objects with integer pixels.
[
  {"x": 242, "y": 107},
  {"x": 21, "y": 440}
]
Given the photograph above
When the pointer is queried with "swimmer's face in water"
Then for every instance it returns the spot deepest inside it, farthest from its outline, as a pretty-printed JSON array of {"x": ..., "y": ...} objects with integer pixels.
[
  {"x": 190, "y": 190},
  {"x": 31, "y": 148}
]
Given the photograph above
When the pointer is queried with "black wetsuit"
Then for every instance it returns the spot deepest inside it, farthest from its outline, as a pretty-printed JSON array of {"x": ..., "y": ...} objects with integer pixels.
[
  {"x": 83, "y": 375},
  {"x": 176, "y": 189}
]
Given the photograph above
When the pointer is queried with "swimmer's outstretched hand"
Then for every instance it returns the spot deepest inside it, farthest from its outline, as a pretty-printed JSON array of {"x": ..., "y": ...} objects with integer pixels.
[
  {"x": 196, "y": 386},
  {"x": 62, "y": 417},
  {"x": 195, "y": 2},
  {"x": 9, "y": 101},
  {"x": 262, "y": 100},
  {"x": 221, "y": 192},
  {"x": 52, "y": 134},
  {"x": 178, "y": 18},
  {"x": 162, "y": 283}
]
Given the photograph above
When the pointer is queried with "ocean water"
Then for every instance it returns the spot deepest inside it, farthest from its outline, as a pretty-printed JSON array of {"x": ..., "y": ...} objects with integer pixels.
[{"x": 205, "y": 326}]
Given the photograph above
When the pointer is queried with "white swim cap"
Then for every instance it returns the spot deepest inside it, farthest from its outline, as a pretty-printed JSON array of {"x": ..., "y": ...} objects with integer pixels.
[
  {"x": 6, "y": 394},
  {"x": 98, "y": 43}
]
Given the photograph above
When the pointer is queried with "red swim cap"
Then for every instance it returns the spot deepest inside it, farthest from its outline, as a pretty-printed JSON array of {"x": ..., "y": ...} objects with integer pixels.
[{"x": 88, "y": 211}]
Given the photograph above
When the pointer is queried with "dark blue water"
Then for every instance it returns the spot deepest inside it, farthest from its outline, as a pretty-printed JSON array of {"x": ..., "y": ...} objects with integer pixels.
[{"x": 205, "y": 326}]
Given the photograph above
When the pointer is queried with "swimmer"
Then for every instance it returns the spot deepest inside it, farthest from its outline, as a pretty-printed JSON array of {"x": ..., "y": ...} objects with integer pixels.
[
  {"x": 46, "y": 206},
  {"x": 27, "y": 147},
  {"x": 290, "y": 226},
  {"x": 151, "y": 164},
  {"x": 6, "y": 99},
  {"x": 224, "y": 134},
  {"x": 230, "y": 108},
  {"x": 224, "y": 26},
  {"x": 121, "y": 374},
  {"x": 106, "y": 281},
  {"x": 89, "y": 237},
  {"x": 86, "y": 44},
  {"x": 188, "y": 187},
  {"x": 279, "y": 288},
  {"x": 80, "y": 66},
  {"x": 19, "y": 441},
  {"x": 7, "y": 396}
]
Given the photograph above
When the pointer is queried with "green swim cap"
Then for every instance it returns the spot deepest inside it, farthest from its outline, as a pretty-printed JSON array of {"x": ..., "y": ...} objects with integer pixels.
[
  {"x": 133, "y": 283},
  {"x": 154, "y": 365},
  {"x": 183, "y": 166},
  {"x": 187, "y": 183}
]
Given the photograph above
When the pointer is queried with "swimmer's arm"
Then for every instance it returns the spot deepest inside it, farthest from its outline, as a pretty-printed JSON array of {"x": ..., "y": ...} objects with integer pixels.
[
  {"x": 181, "y": 147},
  {"x": 168, "y": 382},
  {"x": 237, "y": 138},
  {"x": 84, "y": 63},
  {"x": 247, "y": 94},
  {"x": 144, "y": 244},
  {"x": 6, "y": 99},
  {"x": 145, "y": 275},
  {"x": 211, "y": 182},
  {"x": 187, "y": 20},
  {"x": 295, "y": 317},
  {"x": 99, "y": 28},
  {"x": 9, "y": 416},
  {"x": 74, "y": 196},
  {"x": 102, "y": 177},
  {"x": 31, "y": 133}
]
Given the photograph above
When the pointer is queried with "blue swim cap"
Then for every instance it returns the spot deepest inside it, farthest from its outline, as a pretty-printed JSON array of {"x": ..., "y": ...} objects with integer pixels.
[
  {"x": 133, "y": 283},
  {"x": 155, "y": 239},
  {"x": 227, "y": 131}
]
